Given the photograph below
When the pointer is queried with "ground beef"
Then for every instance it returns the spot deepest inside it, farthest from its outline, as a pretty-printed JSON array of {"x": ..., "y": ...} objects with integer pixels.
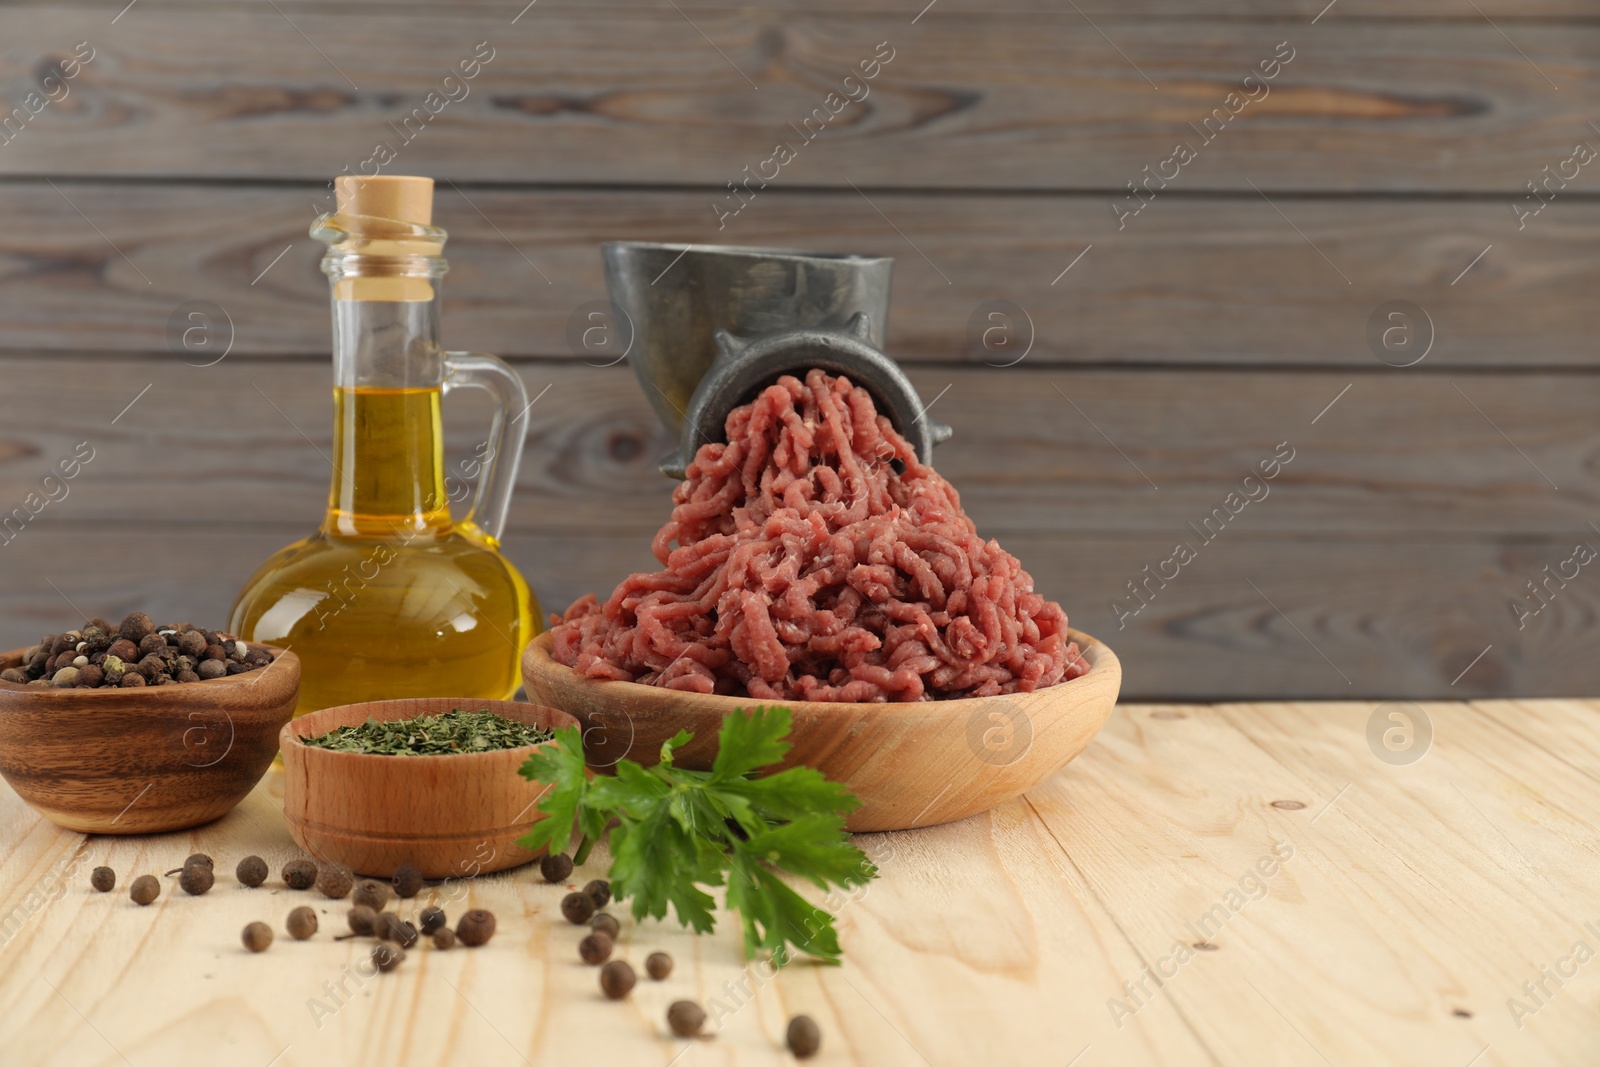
[{"x": 813, "y": 557}]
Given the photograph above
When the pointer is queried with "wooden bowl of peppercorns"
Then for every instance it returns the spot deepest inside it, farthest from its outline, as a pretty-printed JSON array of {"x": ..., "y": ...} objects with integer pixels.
[{"x": 159, "y": 755}]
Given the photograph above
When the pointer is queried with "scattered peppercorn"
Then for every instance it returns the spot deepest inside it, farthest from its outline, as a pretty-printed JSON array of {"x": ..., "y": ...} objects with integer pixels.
[
  {"x": 144, "y": 889},
  {"x": 578, "y": 908},
  {"x": 387, "y": 956},
  {"x": 803, "y": 1037},
  {"x": 299, "y": 874},
  {"x": 407, "y": 881},
  {"x": 256, "y": 937},
  {"x": 432, "y": 919},
  {"x": 302, "y": 923},
  {"x": 658, "y": 965},
  {"x": 374, "y": 894},
  {"x": 200, "y": 858},
  {"x": 595, "y": 949},
  {"x": 196, "y": 879},
  {"x": 599, "y": 891},
  {"x": 104, "y": 879},
  {"x": 616, "y": 979},
  {"x": 444, "y": 938},
  {"x": 475, "y": 927},
  {"x": 606, "y": 923},
  {"x": 361, "y": 919},
  {"x": 387, "y": 926},
  {"x": 252, "y": 871},
  {"x": 334, "y": 881},
  {"x": 686, "y": 1018},
  {"x": 555, "y": 868}
]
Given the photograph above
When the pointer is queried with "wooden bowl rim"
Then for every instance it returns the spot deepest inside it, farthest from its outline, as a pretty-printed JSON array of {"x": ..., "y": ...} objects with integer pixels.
[
  {"x": 290, "y": 737},
  {"x": 249, "y": 680},
  {"x": 536, "y": 658}
]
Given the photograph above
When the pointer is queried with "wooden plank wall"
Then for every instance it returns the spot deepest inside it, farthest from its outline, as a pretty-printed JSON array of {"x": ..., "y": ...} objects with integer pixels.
[{"x": 1170, "y": 351}]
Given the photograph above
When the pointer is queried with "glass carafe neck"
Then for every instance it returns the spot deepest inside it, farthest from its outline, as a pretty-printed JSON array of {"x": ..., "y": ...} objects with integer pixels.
[{"x": 388, "y": 376}]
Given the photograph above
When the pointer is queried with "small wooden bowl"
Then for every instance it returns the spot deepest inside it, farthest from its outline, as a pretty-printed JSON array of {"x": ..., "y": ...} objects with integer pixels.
[
  {"x": 143, "y": 761},
  {"x": 910, "y": 765},
  {"x": 452, "y": 816}
]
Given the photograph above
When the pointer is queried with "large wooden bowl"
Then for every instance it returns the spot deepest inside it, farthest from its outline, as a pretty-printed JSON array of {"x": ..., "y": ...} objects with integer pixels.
[
  {"x": 910, "y": 765},
  {"x": 452, "y": 816},
  {"x": 142, "y": 761}
]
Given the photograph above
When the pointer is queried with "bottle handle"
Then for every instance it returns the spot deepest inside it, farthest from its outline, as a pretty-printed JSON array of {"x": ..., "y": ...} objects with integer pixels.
[{"x": 479, "y": 370}]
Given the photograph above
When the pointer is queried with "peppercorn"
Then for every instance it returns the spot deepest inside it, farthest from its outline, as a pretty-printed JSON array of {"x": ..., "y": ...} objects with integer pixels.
[
  {"x": 388, "y": 926},
  {"x": 214, "y": 651},
  {"x": 302, "y": 923},
  {"x": 299, "y": 874},
  {"x": 334, "y": 880},
  {"x": 196, "y": 879},
  {"x": 658, "y": 965},
  {"x": 607, "y": 924},
  {"x": 186, "y": 676},
  {"x": 211, "y": 668},
  {"x": 256, "y": 937},
  {"x": 144, "y": 889},
  {"x": 91, "y": 677},
  {"x": 803, "y": 1037},
  {"x": 686, "y": 1018},
  {"x": 123, "y": 649},
  {"x": 432, "y": 919},
  {"x": 152, "y": 645},
  {"x": 555, "y": 868},
  {"x": 475, "y": 927},
  {"x": 578, "y": 908},
  {"x": 114, "y": 670},
  {"x": 617, "y": 979},
  {"x": 594, "y": 949},
  {"x": 80, "y": 660},
  {"x": 133, "y": 680},
  {"x": 136, "y": 627},
  {"x": 152, "y": 667},
  {"x": 65, "y": 678},
  {"x": 192, "y": 643},
  {"x": 372, "y": 893},
  {"x": 13, "y": 674},
  {"x": 387, "y": 956},
  {"x": 407, "y": 881},
  {"x": 599, "y": 891},
  {"x": 361, "y": 919},
  {"x": 104, "y": 879},
  {"x": 252, "y": 871},
  {"x": 444, "y": 938}
]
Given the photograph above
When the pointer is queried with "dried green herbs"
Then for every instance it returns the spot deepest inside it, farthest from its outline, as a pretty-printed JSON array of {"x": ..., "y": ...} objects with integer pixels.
[{"x": 454, "y": 732}]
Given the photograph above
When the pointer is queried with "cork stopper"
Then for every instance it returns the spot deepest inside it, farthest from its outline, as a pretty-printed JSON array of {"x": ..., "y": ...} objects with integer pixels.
[{"x": 403, "y": 198}]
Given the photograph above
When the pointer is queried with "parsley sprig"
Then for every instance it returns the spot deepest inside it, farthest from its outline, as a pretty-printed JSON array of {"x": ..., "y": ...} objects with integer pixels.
[{"x": 675, "y": 832}]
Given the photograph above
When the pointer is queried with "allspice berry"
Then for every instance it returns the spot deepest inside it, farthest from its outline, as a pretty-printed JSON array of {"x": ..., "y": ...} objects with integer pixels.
[
  {"x": 252, "y": 871},
  {"x": 616, "y": 979},
  {"x": 334, "y": 880},
  {"x": 595, "y": 949},
  {"x": 361, "y": 919},
  {"x": 302, "y": 923},
  {"x": 578, "y": 908},
  {"x": 144, "y": 889},
  {"x": 136, "y": 627},
  {"x": 211, "y": 668},
  {"x": 599, "y": 891},
  {"x": 104, "y": 879},
  {"x": 606, "y": 923},
  {"x": 256, "y": 937},
  {"x": 65, "y": 678},
  {"x": 658, "y": 965},
  {"x": 686, "y": 1018},
  {"x": 299, "y": 874},
  {"x": 444, "y": 938},
  {"x": 192, "y": 643},
  {"x": 475, "y": 927},
  {"x": 803, "y": 1037},
  {"x": 374, "y": 894},
  {"x": 196, "y": 879},
  {"x": 387, "y": 926},
  {"x": 407, "y": 881},
  {"x": 432, "y": 919},
  {"x": 556, "y": 868},
  {"x": 200, "y": 858},
  {"x": 387, "y": 956}
]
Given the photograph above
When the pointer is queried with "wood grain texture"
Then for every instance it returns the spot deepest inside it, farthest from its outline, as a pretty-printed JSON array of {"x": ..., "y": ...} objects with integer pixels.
[
  {"x": 1286, "y": 11},
  {"x": 450, "y": 816},
  {"x": 910, "y": 765},
  {"x": 1035, "y": 450},
  {"x": 143, "y": 761},
  {"x": 1372, "y": 616},
  {"x": 1042, "y": 100},
  {"x": 1413, "y": 904}
]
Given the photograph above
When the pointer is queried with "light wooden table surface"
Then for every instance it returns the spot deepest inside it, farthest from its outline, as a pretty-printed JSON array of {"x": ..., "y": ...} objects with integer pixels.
[{"x": 1355, "y": 911}]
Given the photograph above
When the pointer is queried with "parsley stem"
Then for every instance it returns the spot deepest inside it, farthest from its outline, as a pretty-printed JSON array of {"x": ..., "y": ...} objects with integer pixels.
[{"x": 582, "y": 854}]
